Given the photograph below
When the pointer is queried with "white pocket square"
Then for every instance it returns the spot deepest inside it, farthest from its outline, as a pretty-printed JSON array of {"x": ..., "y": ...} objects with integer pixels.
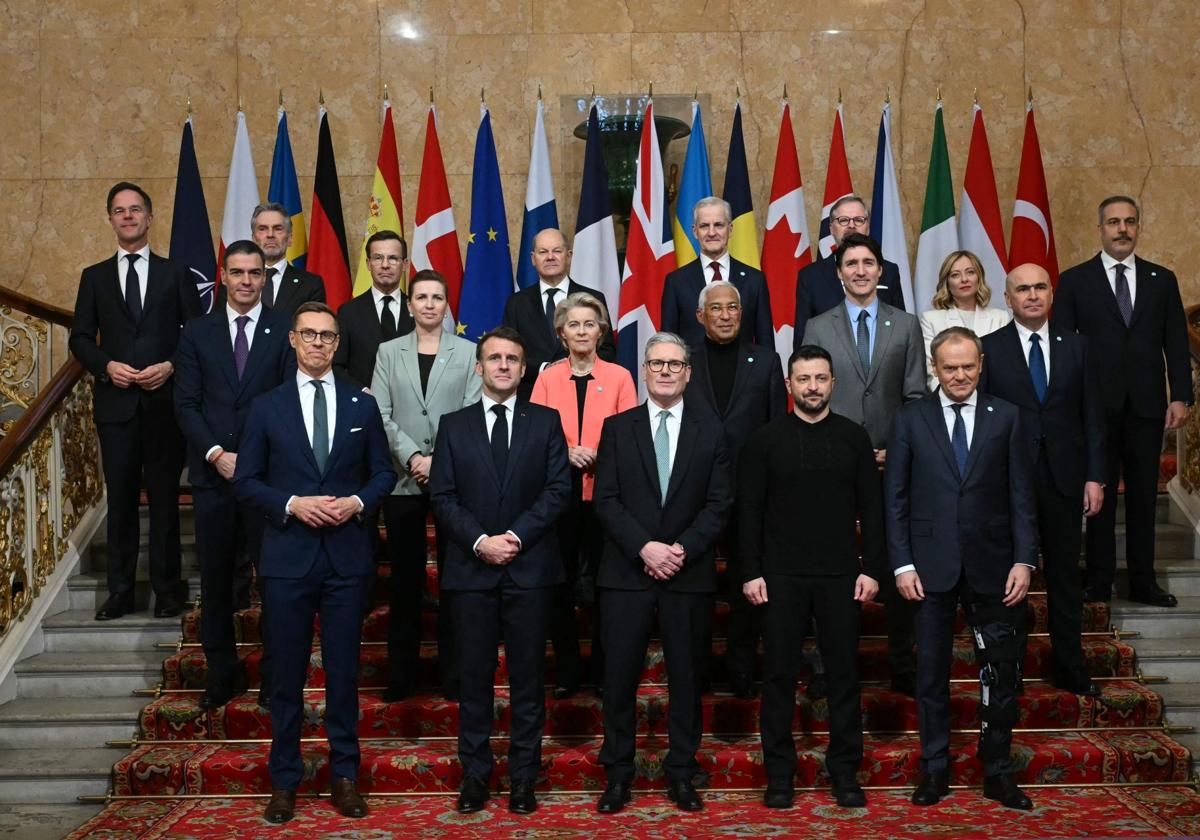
[{"x": 359, "y": 429}]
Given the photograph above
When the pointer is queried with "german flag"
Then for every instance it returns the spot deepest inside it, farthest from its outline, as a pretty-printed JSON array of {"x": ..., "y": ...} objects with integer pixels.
[{"x": 328, "y": 255}]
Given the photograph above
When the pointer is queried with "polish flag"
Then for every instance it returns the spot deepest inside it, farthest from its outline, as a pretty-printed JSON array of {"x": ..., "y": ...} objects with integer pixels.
[
  {"x": 980, "y": 229},
  {"x": 837, "y": 180},
  {"x": 1032, "y": 230},
  {"x": 435, "y": 239}
]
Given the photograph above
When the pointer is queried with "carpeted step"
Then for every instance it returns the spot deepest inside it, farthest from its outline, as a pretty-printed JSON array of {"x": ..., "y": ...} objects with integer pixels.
[
  {"x": 572, "y": 764},
  {"x": 178, "y": 717}
]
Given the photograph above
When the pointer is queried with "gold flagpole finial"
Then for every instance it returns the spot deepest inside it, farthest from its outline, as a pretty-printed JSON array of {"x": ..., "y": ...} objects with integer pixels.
[
  {"x": 431, "y": 94},
  {"x": 737, "y": 91},
  {"x": 386, "y": 92},
  {"x": 321, "y": 96},
  {"x": 593, "y": 90},
  {"x": 1031, "y": 94},
  {"x": 481, "y": 96},
  {"x": 239, "y": 100},
  {"x": 189, "y": 106},
  {"x": 785, "y": 91},
  {"x": 887, "y": 96},
  {"x": 281, "y": 97},
  {"x": 939, "y": 93},
  {"x": 539, "y": 91},
  {"x": 975, "y": 95},
  {"x": 652, "y": 90},
  {"x": 839, "y": 96}
]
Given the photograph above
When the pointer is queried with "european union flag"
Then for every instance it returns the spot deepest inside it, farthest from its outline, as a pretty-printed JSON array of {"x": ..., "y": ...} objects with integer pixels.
[{"x": 488, "y": 274}]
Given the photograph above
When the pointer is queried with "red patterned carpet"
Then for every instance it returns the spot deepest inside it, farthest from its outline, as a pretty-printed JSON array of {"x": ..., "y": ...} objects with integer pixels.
[{"x": 1065, "y": 812}]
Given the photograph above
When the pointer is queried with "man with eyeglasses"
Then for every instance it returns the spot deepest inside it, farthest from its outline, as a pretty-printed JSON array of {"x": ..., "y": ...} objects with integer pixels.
[
  {"x": 741, "y": 385},
  {"x": 818, "y": 288},
  {"x": 663, "y": 492},
  {"x": 377, "y": 315},
  {"x": 285, "y": 286},
  {"x": 315, "y": 463},
  {"x": 530, "y": 311}
]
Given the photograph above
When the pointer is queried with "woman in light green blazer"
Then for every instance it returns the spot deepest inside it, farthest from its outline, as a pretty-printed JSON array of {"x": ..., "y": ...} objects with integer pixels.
[{"x": 418, "y": 378}]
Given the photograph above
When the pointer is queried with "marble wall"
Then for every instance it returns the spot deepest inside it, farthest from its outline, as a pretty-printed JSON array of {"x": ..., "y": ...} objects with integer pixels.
[{"x": 97, "y": 93}]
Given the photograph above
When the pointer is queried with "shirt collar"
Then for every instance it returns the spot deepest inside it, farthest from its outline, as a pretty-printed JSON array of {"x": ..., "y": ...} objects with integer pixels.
[
  {"x": 302, "y": 378},
  {"x": 510, "y": 404},
  {"x": 143, "y": 252},
  {"x": 1108, "y": 262},
  {"x": 947, "y": 402},
  {"x": 378, "y": 296},
  {"x": 544, "y": 287},
  {"x": 722, "y": 260},
  {"x": 654, "y": 408},
  {"x": 280, "y": 267},
  {"x": 1024, "y": 332},
  {"x": 232, "y": 314},
  {"x": 871, "y": 309}
]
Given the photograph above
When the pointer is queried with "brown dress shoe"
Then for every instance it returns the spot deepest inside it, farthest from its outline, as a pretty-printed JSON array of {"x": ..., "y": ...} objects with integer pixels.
[
  {"x": 281, "y": 807},
  {"x": 346, "y": 798}
]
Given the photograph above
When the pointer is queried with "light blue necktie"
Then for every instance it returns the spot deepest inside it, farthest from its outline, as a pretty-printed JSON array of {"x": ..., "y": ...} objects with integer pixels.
[{"x": 662, "y": 453}]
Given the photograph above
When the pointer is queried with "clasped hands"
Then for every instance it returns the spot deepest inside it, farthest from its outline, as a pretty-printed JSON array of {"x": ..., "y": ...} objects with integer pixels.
[
  {"x": 499, "y": 550},
  {"x": 662, "y": 561},
  {"x": 324, "y": 511},
  {"x": 150, "y": 377}
]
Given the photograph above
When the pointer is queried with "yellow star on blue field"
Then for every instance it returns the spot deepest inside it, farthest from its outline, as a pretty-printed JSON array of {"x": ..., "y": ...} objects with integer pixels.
[
  {"x": 470, "y": 238},
  {"x": 460, "y": 329},
  {"x": 491, "y": 235}
]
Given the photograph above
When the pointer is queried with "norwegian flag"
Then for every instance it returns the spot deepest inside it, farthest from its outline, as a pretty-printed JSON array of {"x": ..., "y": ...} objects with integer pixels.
[
  {"x": 649, "y": 255},
  {"x": 435, "y": 240},
  {"x": 837, "y": 180},
  {"x": 786, "y": 245}
]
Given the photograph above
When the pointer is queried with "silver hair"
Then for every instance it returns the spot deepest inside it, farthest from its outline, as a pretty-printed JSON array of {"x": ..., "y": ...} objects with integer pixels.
[
  {"x": 954, "y": 334},
  {"x": 1119, "y": 199},
  {"x": 272, "y": 207},
  {"x": 670, "y": 338},
  {"x": 717, "y": 284},
  {"x": 846, "y": 199},
  {"x": 712, "y": 201}
]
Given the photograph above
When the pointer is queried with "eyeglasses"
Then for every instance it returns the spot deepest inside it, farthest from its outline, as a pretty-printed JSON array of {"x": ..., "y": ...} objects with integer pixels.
[
  {"x": 673, "y": 365},
  {"x": 309, "y": 336},
  {"x": 718, "y": 308},
  {"x": 386, "y": 259},
  {"x": 846, "y": 221}
]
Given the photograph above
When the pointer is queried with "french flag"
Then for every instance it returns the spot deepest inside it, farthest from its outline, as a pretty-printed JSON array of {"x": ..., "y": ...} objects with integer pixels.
[{"x": 595, "y": 262}]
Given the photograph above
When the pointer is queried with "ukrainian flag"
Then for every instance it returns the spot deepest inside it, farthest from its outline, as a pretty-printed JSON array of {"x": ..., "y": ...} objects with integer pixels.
[
  {"x": 694, "y": 184},
  {"x": 285, "y": 190}
]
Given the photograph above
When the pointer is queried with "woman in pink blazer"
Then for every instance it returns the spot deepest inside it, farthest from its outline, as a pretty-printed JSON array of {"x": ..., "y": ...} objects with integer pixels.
[{"x": 585, "y": 390}]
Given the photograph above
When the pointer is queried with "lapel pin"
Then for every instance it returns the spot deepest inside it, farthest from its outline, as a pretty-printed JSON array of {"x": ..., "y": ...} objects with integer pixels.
[
  {"x": 355, "y": 399},
  {"x": 750, "y": 359},
  {"x": 295, "y": 279},
  {"x": 267, "y": 331},
  {"x": 887, "y": 323},
  {"x": 599, "y": 388},
  {"x": 1058, "y": 338},
  {"x": 990, "y": 408},
  {"x": 741, "y": 274}
]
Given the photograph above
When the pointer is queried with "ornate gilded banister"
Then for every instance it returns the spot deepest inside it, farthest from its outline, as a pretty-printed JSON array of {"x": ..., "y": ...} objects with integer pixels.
[
  {"x": 33, "y": 348},
  {"x": 1187, "y": 445}
]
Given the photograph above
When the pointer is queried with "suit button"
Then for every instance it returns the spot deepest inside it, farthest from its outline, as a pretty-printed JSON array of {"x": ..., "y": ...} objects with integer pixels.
[
  {"x": 867, "y": 392},
  {"x": 426, "y": 441},
  {"x": 424, "y": 413}
]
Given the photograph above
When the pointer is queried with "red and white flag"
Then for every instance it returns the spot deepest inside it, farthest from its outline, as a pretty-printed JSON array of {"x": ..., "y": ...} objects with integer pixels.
[
  {"x": 837, "y": 180},
  {"x": 1032, "y": 230},
  {"x": 435, "y": 239},
  {"x": 241, "y": 195},
  {"x": 786, "y": 245},
  {"x": 980, "y": 229},
  {"x": 649, "y": 255}
]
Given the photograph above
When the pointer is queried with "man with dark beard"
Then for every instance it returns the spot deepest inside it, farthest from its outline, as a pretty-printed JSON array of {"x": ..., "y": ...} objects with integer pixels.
[{"x": 803, "y": 480}]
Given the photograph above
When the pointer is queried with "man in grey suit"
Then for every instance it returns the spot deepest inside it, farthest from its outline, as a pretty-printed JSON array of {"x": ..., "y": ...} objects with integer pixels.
[{"x": 879, "y": 364}]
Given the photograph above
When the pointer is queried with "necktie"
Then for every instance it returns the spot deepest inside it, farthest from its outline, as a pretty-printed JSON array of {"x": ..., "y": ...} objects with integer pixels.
[
  {"x": 388, "y": 320},
  {"x": 662, "y": 453},
  {"x": 550, "y": 293},
  {"x": 133, "y": 289},
  {"x": 1124, "y": 301},
  {"x": 241, "y": 345},
  {"x": 1037, "y": 366},
  {"x": 268, "y": 294},
  {"x": 864, "y": 343},
  {"x": 320, "y": 441},
  {"x": 716, "y": 267},
  {"x": 500, "y": 439},
  {"x": 958, "y": 439}
]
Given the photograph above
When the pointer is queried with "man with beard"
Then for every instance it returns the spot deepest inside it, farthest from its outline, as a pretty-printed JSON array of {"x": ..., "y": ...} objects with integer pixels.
[{"x": 804, "y": 480}]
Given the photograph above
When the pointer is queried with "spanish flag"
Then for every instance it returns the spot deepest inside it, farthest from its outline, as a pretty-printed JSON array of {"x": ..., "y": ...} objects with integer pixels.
[{"x": 386, "y": 210}]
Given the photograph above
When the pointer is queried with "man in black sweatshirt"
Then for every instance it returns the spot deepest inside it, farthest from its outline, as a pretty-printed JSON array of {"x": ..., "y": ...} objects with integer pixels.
[{"x": 803, "y": 480}]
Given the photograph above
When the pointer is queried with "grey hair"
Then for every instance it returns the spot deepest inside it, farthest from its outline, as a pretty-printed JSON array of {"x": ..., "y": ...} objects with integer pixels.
[
  {"x": 580, "y": 300},
  {"x": 1118, "y": 199},
  {"x": 717, "y": 284},
  {"x": 953, "y": 334},
  {"x": 712, "y": 201},
  {"x": 846, "y": 199},
  {"x": 670, "y": 338},
  {"x": 271, "y": 207}
]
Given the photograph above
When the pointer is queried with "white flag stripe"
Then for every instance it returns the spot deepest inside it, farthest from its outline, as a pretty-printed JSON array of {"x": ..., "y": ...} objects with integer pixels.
[{"x": 241, "y": 195}]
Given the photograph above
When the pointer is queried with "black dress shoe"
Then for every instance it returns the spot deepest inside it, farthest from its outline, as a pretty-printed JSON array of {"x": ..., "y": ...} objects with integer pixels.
[
  {"x": 1005, "y": 791},
  {"x": 1099, "y": 592},
  {"x": 562, "y": 692},
  {"x": 848, "y": 793},
  {"x": 615, "y": 797},
  {"x": 779, "y": 794},
  {"x": 905, "y": 684},
  {"x": 264, "y": 698},
  {"x": 115, "y": 607},
  {"x": 683, "y": 793},
  {"x": 167, "y": 606},
  {"x": 932, "y": 787},
  {"x": 473, "y": 796},
  {"x": 1077, "y": 682},
  {"x": 220, "y": 692},
  {"x": 347, "y": 799},
  {"x": 396, "y": 693},
  {"x": 1154, "y": 595},
  {"x": 818, "y": 688},
  {"x": 521, "y": 799},
  {"x": 281, "y": 807},
  {"x": 742, "y": 686}
]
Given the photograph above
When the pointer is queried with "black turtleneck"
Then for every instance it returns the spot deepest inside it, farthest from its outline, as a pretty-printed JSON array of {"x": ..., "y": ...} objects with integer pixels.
[{"x": 722, "y": 369}]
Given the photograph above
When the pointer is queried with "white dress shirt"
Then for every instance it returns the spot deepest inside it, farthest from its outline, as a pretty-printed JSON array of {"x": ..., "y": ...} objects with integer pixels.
[
  {"x": 141, "y": 266},
  {"x": 395, "y": 307},
  {"x": 1043, "y": 334},
  {"x": 308, "y": 394},
  {"x": 1130, "y": 274},
  {"x": 232, "y": 315},
  {"x": 707, "y": 262},
  {"x": 489, "y": 419},
  {"x": 673, "y": 420},
  {"x": 279, "y": 268}
]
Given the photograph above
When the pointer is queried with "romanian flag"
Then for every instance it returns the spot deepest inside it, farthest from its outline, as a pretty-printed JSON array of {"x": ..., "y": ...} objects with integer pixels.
[
  {"x": 386, "y": 211},
  {"x": 285, "y": 190},
  {"x": 328, "y": 256}
]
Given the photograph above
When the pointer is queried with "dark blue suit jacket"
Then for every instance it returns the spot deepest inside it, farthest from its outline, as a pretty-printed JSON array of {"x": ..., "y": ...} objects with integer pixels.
[
  {"x": 818, "y": 290},
  {"x": 1069, "y": 425},
  {"x": 211, "y": 403},
  {"x": 982, "y": 523},
  {"x": 681, "y": 292},
  {"x": 470, "y": 499},
  {"x": 276, "y": 462}
]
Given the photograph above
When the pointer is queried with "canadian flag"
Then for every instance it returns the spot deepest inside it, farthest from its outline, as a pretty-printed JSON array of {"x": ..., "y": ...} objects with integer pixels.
[
  {"x": 837, "y": 180},
  {"x": 1032, "y": 231},
  {"x": 786, "y": 245},
  {"x": 241, "y": 194},
  {"x": 980, "y": 229},
  {"x": 435, "y": 239}
]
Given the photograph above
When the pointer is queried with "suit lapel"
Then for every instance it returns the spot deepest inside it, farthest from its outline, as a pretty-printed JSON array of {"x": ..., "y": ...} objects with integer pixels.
[
  {"x": 295, "y": 416},
  {"x": 644, "y": 435},
  {"x": 411, "y": 369},
  {"x": 220, "y": 339},
  {"x": 519, "y": 434},
  {"x": 156, "y": 281},
  {"x": 1014, "y": 360},
  {"x": 842, "y": 325},
  {"x": 740, "y": 374},
  {"x": 347, "y": 415},
  {"x": 688, "y": 432},
  {"x": 1146, "y": 286},
  {"x": 285, "y": 287},
  {"x": 932, "y": 413},
  {"x": 482, "y": 443},
  {"x": 1101, "y": 290},
  {"x": 983, "y": 425},
  {"x": 883, "y": 337},
  {"x": 258, "y": 349}
]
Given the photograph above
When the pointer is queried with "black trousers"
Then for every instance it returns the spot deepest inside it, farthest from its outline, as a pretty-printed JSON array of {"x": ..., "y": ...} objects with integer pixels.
[
  {"x": 405, "y": 518},
  {"x": 792, "y": 600},
  {"x": 145, "y": 450},
  {"x": 226, "y": 533},
  {"x": 629, "y": 617},
  {"x": 997, "y": 649},
  {"x": 745, "y": 619},
  {"x": 1134, "y": 447},
  {"x": 482, "y": 619},
  {"x": 1061, "y": 536},
  {"x": 581, "y": 540}
]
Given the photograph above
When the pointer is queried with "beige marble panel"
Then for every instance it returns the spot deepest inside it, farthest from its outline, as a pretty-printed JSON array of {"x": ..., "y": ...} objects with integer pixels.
[
  {"x": 409, "y": 18},
  {"x": 682, "y": 16},
  {"x": 313, "y": 18},
  {"x": 969, "y": 14},
  {"x": 410, "y": 67},
  {"x": 801, "y": 15},
  {"x": 582, "y": 16},
  {"x": 20, "y": 19},
  {"x": 102, "y": 116},
  {"x": 20, "y": 134},
  {"x": 1161, "y": 14},
  {"x": 22, "y": 214},
  {"x": 1168, "y": 236},
  {"x": 143, "y": 19},
  {"x": 1166, "y": 98}
]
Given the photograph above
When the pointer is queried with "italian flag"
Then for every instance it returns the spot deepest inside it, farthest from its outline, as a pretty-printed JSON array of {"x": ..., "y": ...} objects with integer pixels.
[{"x": 939, "y": 235}]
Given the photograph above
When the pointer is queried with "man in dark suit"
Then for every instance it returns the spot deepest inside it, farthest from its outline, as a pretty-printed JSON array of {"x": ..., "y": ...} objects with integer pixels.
[
  {"x": 663, "y": 491},
  {"x": 314, "y": 464},
  {"x": 531, "y": 310},
  {"x": 379, "y": 314},
  {"x": 818, "y": 288},
  {"x": 498, "y": 486},
  {"x": 225, "y": 360},
  {"x": 739, "y": 383},
  {"x": 1048, "y": 375},
  {"x": 286, "y": 286},
  {"x": 961, "y": 523},
  {"x": 128, "y": 314},
  {"x": 1131, "y": 312},
  {"x": 712, "y": 222}
]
